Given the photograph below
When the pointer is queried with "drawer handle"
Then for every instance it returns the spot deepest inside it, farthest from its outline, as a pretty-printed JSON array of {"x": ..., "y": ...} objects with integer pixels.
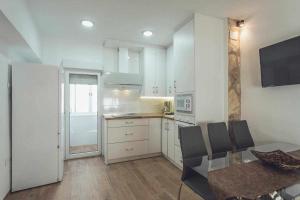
[
  {"x": 129, "y": 122},
  {"x": 127, "y": 134},
  {"x": 129, "y": 149}
]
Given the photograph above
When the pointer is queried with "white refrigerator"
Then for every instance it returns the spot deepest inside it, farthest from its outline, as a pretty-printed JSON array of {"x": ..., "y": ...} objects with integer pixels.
[{"x": 37, "y": 142}]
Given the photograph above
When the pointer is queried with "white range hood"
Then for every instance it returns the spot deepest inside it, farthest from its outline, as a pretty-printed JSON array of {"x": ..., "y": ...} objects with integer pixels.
[{"x": 122, "y": 79}]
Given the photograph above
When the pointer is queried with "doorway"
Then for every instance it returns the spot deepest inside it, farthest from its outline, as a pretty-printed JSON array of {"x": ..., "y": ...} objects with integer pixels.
[{"x": 82, "y": 105}]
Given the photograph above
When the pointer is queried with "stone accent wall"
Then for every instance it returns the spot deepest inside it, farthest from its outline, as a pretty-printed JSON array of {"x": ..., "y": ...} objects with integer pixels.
[{"x": 234, "y": 65}]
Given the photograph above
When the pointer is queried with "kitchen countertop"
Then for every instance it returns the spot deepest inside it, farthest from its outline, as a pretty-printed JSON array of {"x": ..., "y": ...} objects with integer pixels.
[{"x": 136, "y": 116}]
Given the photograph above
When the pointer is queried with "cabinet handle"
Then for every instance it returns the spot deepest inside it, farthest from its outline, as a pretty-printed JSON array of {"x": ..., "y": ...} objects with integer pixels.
[
  {"x": 129, "y": 122},
  {"x": 127, "y": 134},
  {"x": 129, "y": 149}
]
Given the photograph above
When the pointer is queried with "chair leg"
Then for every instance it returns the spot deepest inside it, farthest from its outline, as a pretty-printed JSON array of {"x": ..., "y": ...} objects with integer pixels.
[{"x": 179, "y": 192}]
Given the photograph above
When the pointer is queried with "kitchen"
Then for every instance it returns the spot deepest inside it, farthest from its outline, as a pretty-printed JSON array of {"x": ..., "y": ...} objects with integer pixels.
[{"x": 97, "y": 98}]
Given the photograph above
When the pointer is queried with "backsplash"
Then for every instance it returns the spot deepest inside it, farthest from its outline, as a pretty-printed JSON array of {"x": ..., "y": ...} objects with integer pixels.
[{"x": 128, "y": 101}]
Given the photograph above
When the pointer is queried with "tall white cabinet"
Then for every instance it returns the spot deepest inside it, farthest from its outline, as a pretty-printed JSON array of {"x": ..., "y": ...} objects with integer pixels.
[
  {"x": 200, "y": 66},
  {"x": 184, "y": 58},
  {"x": 154, "y": 67},
  {"x": 36, "y": 158}
]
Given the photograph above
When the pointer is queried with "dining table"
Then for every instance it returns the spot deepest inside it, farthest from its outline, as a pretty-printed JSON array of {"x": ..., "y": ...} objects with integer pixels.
[{"x": 242, "y": 175}]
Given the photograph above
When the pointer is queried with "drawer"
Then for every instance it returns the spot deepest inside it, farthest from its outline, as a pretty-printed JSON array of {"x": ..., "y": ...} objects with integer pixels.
[
  {"x": 127, "y": 149},
  {"x": 127, "y": 122},
  {"x": 178, "y": 156},
  {"x": 126, "y": 134}
]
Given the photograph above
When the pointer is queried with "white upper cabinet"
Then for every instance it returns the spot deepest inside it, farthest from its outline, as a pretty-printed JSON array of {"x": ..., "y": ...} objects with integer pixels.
[
  {"x": 170, "y": 89},
  {"x": 184, "y": 58},
  {"x": 154, "y": 71}
]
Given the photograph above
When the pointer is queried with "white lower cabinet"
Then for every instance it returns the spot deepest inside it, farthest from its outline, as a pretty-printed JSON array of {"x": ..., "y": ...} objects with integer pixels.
[
  {"x": 178, "y": 156},
  {"x": 126, "y": 139},
  {"x": 168, "y": 139},
  {"x": 127, "y": 149},
  {"x": 125, "y": 134},
  {"x": 140, "y": 138},
  {"x": 171, "y": 130},
  {"x": 154, "y": 135},
  {"x": 164, "y": 137}
]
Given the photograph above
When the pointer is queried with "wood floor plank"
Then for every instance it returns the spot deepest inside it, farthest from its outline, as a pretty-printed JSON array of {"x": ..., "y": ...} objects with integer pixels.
[{"x": 90, "y": 179}]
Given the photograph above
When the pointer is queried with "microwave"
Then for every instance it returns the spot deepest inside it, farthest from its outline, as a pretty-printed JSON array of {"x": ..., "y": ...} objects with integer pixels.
[{"x": 184, "y": 103}]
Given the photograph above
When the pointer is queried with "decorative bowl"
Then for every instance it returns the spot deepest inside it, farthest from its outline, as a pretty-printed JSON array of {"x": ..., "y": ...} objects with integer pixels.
[{"x": 278, "y": 159}]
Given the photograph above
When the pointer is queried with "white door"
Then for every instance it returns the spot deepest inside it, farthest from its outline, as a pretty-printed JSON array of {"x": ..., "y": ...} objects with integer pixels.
[
  {"x": 35, "y": 125},
  {"x": 184, "y": 58},
  {"x": 82, "y": 104}
]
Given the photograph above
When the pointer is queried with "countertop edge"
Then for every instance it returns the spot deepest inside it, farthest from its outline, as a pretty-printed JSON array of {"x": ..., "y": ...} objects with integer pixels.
[{"x": 138, "y": 117}]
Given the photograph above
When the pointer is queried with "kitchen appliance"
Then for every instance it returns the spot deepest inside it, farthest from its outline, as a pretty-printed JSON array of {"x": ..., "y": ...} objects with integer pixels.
[
  {"x": 168, "y": 108},
  {"x": 122, "y": 79},
  {"x": 37, "y": 140},
  {"x": 184, "y": 103}
]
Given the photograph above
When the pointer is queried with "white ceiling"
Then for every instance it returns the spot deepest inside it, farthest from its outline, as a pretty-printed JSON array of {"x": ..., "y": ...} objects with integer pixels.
[{"x": 126, "y": 19}]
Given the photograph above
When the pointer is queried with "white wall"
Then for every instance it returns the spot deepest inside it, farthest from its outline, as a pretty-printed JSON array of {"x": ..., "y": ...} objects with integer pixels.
[
  {"x": 18, "y": 14},
  {"x": 110, "y": 63},
  {"x": 4, "y": 129},
  {"x": 56, "y": 50},
  {"x": 116, "y": 100},
  {"x": 273, "y": 114}
]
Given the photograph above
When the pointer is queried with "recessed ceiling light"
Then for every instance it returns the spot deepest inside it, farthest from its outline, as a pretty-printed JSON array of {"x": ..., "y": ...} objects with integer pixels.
[
  {"x": 87, "y": 23},
  {"x": 147, "y": 33}
]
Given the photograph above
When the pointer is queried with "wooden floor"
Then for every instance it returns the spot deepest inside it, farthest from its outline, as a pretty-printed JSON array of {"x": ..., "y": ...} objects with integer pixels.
[
  {"x": 83, "y": 148},
  {"x": 90, "y": 179}
]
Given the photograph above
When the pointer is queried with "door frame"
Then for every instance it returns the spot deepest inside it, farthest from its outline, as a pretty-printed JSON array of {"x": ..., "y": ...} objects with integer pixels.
[{"x": 68, "y": 155}]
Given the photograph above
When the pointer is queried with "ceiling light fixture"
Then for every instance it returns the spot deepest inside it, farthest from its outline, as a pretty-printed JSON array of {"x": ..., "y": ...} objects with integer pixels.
[
  {"x": 87, "y": 23},
  {"x": 240, "y": 23},
  {"x": 147, "y": 33}
]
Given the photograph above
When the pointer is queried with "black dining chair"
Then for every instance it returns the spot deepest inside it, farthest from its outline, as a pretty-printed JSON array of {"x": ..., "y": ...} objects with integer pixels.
[
  {"x": 219, "y": 139},
  {"x": 240, "y": 135},
  {"x": 193, "y": 150}
]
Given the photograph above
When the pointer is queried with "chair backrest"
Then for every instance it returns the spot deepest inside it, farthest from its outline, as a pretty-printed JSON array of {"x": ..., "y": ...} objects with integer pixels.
[
  {"x": 192, "y": 145},
  {"x": 219, "y": 139},
  {"x": 240, "y": 134},
  {"x": 193, "y": 149}
]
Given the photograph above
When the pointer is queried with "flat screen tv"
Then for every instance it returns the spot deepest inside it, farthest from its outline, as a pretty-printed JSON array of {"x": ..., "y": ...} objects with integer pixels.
[{"x": 280, "y": 63}]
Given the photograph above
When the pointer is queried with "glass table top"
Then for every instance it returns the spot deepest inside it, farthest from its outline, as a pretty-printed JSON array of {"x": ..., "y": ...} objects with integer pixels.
[{"x": 208, "y": 165}]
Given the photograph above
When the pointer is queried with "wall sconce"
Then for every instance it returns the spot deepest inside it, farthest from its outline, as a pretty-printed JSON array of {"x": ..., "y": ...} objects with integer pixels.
[
  {"x": 234, "y": 35},
  {"x": 240, "y": 23}
]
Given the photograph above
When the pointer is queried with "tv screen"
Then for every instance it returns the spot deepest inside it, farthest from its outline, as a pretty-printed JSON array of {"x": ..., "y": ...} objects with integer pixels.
[{"x": 280, "y": 63}]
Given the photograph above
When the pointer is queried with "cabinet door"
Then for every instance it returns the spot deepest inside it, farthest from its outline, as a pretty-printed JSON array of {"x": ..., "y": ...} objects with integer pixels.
[
  {"x": 170, "y": 72},
  {"x": 171, "y": 149},
  {"x": 155, "y": 135},
  {"x": 184, "y": 59},
  {"x": 178, "y": 156},
  {"x": 164, "y": 137},
  {"x": 149, "y": 55},
  {"x": 160, "y": 72}
]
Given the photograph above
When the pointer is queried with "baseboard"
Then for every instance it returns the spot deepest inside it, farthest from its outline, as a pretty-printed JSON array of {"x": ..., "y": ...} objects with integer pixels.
[{"x": 132, "y": 158}]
